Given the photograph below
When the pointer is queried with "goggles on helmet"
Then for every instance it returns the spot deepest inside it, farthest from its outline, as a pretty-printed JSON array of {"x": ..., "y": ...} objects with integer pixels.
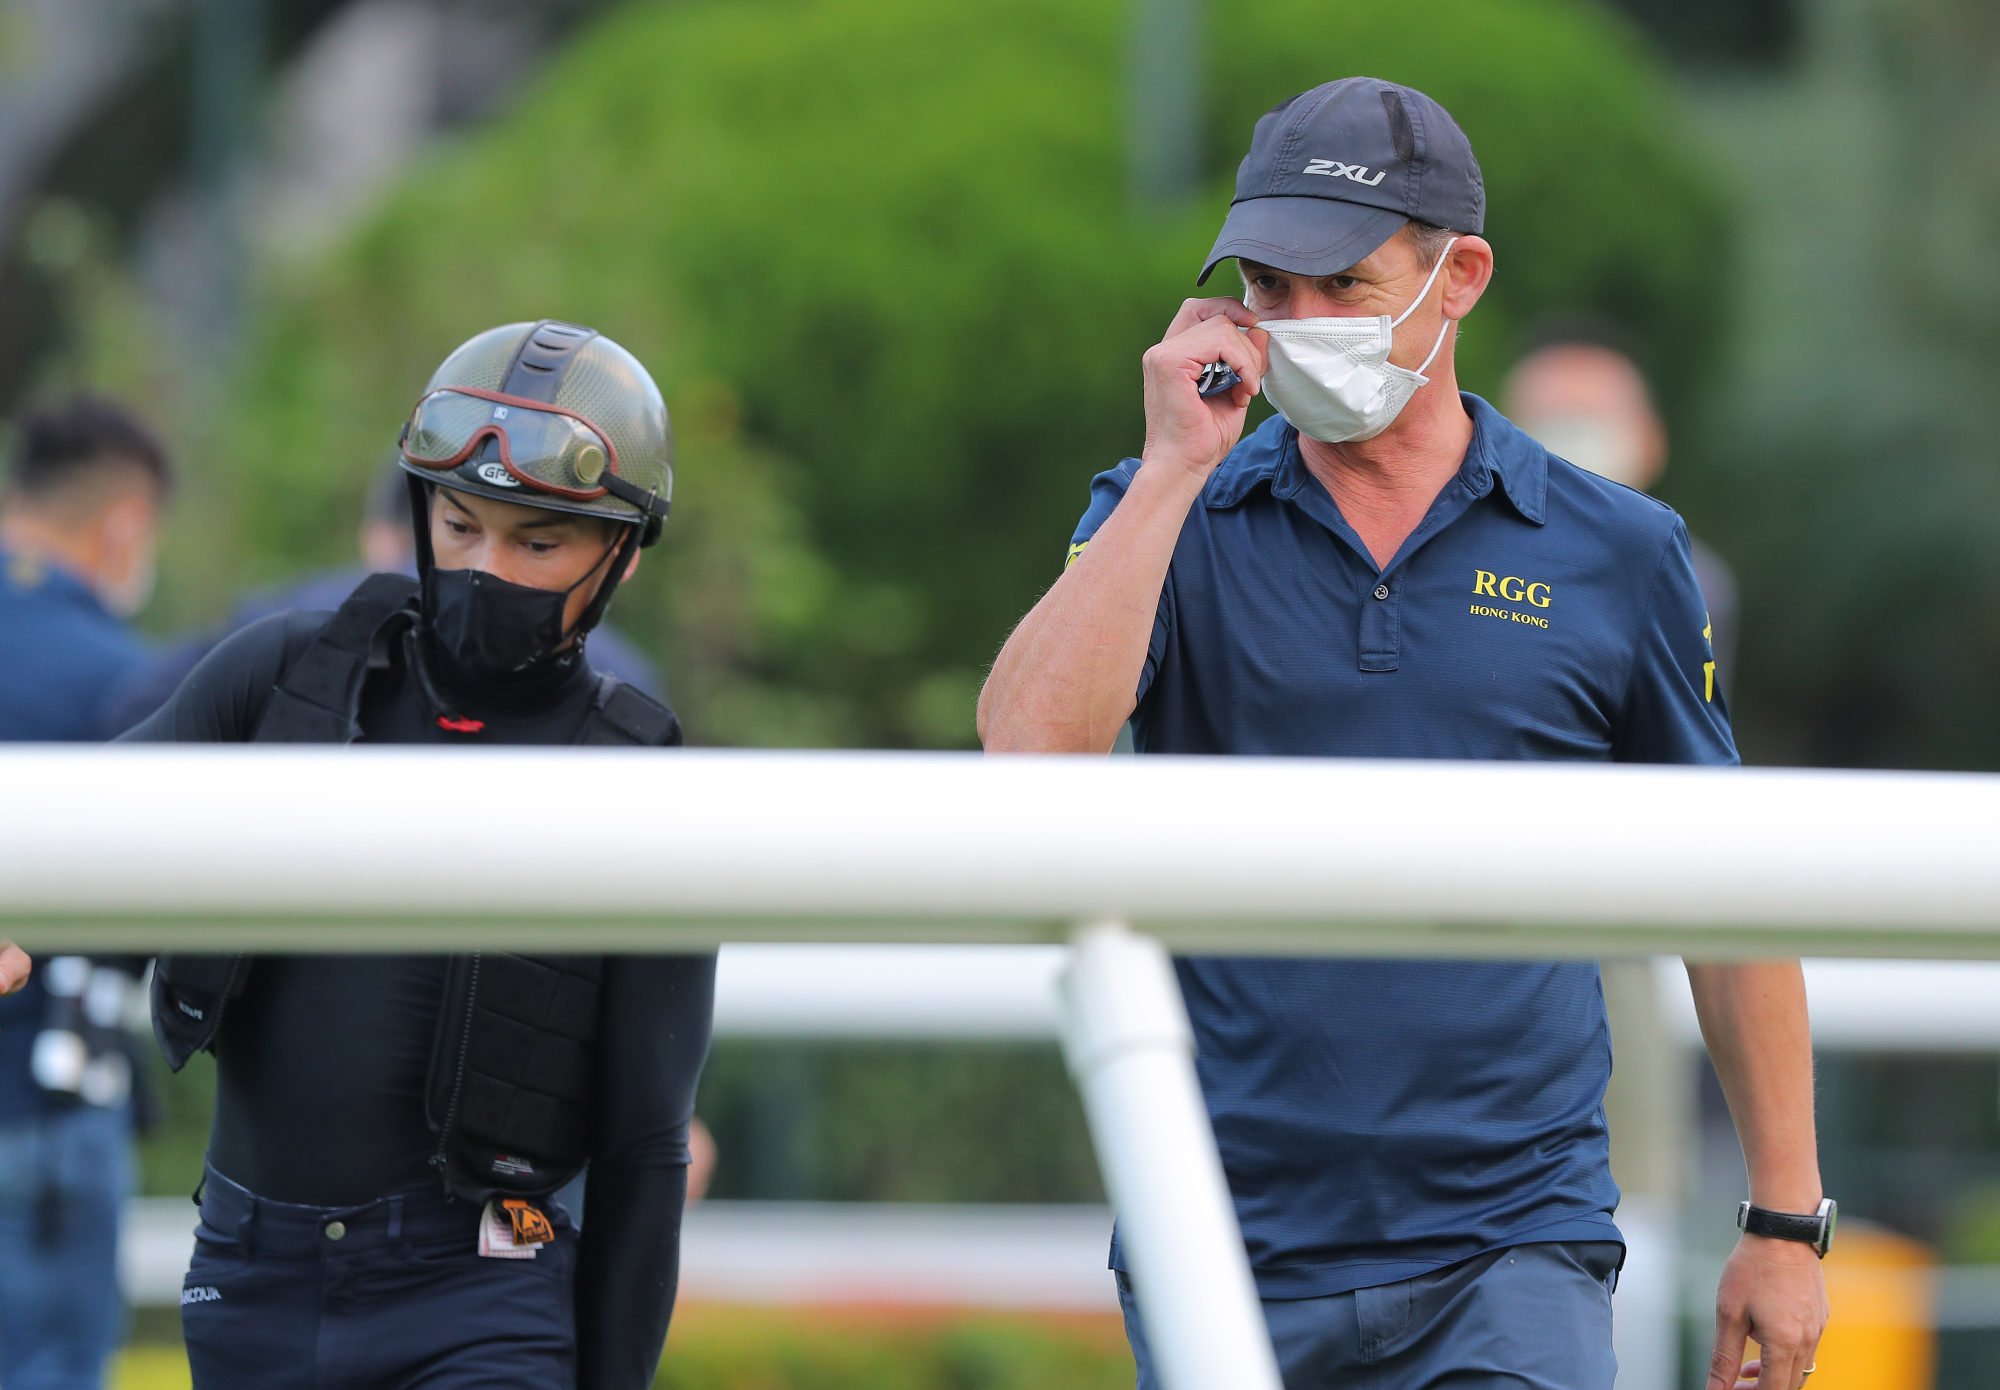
[{"x": 542, "y": 447}]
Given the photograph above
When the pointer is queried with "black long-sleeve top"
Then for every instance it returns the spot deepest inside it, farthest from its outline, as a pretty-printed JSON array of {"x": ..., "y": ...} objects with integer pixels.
[{"x": 321, "y": 1065}]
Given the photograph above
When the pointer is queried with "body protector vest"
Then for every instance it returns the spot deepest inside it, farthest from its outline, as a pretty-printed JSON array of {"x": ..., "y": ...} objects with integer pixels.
[{"x": 513, "y": 1060}]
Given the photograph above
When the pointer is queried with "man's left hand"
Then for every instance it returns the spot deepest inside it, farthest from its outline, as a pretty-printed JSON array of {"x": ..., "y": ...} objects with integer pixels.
[
  {"x": 14, "y": 967},
  {"x": 1771, "y": 1290}
]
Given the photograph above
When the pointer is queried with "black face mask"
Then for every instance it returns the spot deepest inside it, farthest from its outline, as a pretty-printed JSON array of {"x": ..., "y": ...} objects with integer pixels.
[{"x": 491, "y": 628}]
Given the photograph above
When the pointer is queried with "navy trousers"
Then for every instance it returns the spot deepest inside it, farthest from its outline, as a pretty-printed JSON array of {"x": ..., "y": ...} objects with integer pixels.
[
  {"x": 391, "y": 1295},
  {"x": 1536, "y": 1317},
  {"x": 63, "y": 1179}
]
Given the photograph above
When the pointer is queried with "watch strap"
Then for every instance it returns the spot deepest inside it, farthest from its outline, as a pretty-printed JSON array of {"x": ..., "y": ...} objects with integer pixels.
[{"x": 1814, "y": 1228}]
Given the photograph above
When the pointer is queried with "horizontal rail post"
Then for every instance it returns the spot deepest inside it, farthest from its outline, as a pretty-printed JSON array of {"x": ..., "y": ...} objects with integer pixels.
[{"x": 371, "y": 849}]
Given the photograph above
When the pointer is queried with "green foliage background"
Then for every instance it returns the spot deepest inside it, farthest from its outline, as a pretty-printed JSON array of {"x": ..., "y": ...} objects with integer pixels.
[
  {"x": 884, "y": 258},
  {"x": 1844, "y": 458},
  {"x": 885, "y": 261},
  {"x": 867, "y": 1121},
  {"x": 787, "y": 1350}
]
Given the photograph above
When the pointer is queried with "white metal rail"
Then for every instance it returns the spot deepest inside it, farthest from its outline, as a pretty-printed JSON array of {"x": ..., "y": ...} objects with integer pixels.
[{"x": 207, "y": 848}]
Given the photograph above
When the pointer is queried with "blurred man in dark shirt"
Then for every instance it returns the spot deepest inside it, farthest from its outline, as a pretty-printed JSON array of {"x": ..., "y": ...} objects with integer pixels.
[
  {"x": 78, "y": 517},
  {"x": 1585, "y": 400}
]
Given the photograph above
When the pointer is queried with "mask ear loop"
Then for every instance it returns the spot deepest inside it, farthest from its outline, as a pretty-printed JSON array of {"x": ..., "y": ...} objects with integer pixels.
[
  {"x": 1444, "y": 327},
  {"x": 643, "y": 533}
]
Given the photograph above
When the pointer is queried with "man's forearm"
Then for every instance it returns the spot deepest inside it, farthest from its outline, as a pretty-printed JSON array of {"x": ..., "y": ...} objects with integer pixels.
[
  {"x": 1753, "y": 1017},
  {"x": 1067, "y": 677},
  {"x": 628, "y": 1271}
]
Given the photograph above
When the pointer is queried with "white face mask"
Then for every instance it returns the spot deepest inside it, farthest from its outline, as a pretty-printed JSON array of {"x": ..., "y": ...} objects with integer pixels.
[
  {"x": 1605, "y": 447},
  {"x": 125, "y": 583},
  {"x": 128, "y": 594},
  {"x": 1332, "y": 378}
]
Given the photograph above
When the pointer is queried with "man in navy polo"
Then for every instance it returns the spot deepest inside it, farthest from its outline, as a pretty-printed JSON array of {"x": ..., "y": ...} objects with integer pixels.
[{"x": 1388, "y": 568}]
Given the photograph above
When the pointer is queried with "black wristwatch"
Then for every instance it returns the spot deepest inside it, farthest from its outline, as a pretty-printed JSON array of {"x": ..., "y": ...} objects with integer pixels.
[{"x": 1815, "y": 1230}]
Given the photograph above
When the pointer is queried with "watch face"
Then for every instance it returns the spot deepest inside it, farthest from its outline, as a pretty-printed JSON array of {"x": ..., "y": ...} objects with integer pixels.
[{"x": 1829, "y": 1211}]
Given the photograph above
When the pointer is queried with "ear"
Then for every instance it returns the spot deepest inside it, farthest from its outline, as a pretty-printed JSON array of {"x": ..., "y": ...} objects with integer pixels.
[
  {"x": 1468, "y": 271},
  {"x": 631, "y": 567}
]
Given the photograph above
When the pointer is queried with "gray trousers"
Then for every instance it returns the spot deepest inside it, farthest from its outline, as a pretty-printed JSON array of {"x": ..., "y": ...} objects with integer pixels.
[{"x": 1536, "y": 1317}]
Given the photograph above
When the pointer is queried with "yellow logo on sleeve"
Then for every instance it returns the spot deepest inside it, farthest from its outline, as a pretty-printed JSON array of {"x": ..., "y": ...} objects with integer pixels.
[
  {"x": 1075, "y": 551},
  {"x": 1708, "y": 666}
]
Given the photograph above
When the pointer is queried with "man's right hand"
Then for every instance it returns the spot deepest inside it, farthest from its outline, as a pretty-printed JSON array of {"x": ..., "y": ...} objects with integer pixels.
[
  {"x": 14, "y": 967},
  {"x": 1182, "y": 429}
]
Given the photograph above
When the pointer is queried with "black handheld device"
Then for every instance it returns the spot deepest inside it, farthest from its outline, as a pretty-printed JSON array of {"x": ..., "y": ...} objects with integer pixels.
[{"x": 1216, "y": 378}]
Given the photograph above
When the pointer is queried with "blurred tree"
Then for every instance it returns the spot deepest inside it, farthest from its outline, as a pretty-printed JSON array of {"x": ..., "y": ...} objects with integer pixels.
[
  {"x": 1844, "y": 459},
  {"x": 1726, "y": 33},
  {"x": 884, "y": 260}
]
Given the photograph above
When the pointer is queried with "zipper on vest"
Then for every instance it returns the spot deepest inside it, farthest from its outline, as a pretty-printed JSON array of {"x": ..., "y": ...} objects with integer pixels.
[{"x": 439, "y": 1160}]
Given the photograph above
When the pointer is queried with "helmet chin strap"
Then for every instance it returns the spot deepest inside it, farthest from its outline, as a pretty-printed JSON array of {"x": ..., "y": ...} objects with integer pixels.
[
  {"x": 420, "y": 522},
  {"x": 622, "y": 553},
  {"x": 420, "y": 643}
]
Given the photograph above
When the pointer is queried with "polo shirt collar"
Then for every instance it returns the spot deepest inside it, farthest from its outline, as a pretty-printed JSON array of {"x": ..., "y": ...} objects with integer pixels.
[
  {"x": 1269, "y": 455},
  {"x": 1499, "y": 451},
  {"x": 34, "y": 573}
]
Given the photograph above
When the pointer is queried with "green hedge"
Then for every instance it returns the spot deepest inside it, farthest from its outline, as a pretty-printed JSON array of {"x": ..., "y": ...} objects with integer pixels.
[
  {"x": 857, "y": 1121},
  {"x": 883, "y": 259},
  {"x": 715, "y": 1349},
  {"x": 784, "y": 1349}
]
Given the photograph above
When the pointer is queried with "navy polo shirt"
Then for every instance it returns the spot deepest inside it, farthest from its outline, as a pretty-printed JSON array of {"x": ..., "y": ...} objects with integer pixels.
[
  {"x": 64, "y": 655},
  {"x": 1378, "y": 1119}
]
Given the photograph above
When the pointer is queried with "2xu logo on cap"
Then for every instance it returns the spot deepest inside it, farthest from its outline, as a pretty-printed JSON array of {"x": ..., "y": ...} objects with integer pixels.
[{"x": 1334, "y": 169}]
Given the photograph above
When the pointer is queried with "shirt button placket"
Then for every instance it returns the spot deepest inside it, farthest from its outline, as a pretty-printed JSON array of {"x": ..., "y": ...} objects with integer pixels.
[{"x": 1381, "y": 630}]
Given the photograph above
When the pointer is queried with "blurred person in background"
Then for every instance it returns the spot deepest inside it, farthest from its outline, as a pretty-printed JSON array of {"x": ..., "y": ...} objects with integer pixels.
[
  {"x": 384, "y": 543},
  {"x": 1585, "y": 401},
  {"x": 78, "y": 516},
  {"x": 1389, "y": 568},
  {"x": 389, "y": 1132},
  {"x": 79, "y": 522}
]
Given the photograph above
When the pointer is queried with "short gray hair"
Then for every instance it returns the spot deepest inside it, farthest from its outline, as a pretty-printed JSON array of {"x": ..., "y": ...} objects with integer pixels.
[{"x": 1429, "y": 240}]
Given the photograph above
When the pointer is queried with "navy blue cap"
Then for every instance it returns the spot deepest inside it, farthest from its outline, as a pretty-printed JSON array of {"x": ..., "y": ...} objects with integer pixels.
[{"x": 1334, "y": 172}]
